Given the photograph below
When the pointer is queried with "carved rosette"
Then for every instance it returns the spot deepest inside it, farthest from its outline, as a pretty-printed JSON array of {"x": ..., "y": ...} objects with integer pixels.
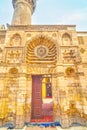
[{"x": 41, "y": 51}]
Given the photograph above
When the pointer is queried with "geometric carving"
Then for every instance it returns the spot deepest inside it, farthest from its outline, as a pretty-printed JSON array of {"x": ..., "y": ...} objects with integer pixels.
[
  {"x": 41, "y": 51},
  {"x": 40, "y": 70}
]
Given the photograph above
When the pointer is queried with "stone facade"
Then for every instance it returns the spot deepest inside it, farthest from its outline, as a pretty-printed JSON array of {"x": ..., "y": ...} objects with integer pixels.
[{"x": 56, "y": 50}]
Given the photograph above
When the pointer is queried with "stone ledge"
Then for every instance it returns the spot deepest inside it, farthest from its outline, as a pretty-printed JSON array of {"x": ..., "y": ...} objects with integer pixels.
[{"x": 41, "y": 27}]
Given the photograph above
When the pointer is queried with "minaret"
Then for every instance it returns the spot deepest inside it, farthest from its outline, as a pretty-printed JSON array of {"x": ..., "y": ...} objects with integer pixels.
[{"x": 23, "y": 10}]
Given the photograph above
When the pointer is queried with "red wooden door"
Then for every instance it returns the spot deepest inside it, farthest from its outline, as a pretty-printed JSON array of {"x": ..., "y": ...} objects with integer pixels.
[{"x": 36, "y": 96}]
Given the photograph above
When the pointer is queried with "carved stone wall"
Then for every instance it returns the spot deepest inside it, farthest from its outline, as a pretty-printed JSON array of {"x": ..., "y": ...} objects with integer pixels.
[{"x": 43, "y": 50}]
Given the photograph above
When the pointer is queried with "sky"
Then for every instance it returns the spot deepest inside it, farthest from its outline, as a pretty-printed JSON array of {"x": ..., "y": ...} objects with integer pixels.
[{"x": 53, "y": 12}]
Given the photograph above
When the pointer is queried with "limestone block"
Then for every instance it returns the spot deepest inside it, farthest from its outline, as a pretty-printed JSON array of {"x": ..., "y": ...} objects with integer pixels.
[
  {"x": 19, "y": 121},
  {"x": 85, "y": 109}
]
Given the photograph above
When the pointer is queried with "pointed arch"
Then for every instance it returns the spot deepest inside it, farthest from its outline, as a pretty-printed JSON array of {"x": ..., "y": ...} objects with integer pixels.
[
  {"x": 15, "y": 40},
  {"x": 66, "y": 39}
]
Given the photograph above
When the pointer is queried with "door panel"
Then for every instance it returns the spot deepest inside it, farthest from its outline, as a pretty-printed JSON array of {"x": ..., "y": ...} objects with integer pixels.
[{"x": 36, "y": 96}]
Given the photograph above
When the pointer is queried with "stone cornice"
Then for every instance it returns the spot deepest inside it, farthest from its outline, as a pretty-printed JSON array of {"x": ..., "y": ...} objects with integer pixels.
[
  {"x": 82, "y": 33},
  {"x": 41, "y": 27}
]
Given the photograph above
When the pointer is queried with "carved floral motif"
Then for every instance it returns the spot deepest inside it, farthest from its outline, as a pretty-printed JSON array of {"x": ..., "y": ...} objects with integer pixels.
[
  {"x": 71, "y": 56},
  {"x": 15, "y": 40},
  {"x": 14, "y": 56}
]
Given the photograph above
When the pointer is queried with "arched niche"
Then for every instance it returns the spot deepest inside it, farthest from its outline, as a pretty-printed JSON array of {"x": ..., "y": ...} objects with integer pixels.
[
  {"x": 13, "y": 72},
  {"x": 70, "y": 72},
  {"x": 66, "y": 39},
  {"x": 15, "y": 40},
  {"x": 42, "y": 50}
]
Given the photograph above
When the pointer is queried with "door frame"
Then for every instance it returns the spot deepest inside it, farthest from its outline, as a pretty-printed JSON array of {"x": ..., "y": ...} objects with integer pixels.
[{"x": 36, "y": 92}]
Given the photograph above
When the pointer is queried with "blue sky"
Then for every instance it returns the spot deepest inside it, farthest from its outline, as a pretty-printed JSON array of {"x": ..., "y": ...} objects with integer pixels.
[{"x": 51, "y": 12}]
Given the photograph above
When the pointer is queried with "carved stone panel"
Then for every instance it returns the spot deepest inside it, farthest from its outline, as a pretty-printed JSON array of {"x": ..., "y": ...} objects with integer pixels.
[
  {"x": 15, "y": 40},
  {"x": 70, "y": 55},
  {"x": 14, "y": 56},
  {"x": 41, "y": 51}
]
